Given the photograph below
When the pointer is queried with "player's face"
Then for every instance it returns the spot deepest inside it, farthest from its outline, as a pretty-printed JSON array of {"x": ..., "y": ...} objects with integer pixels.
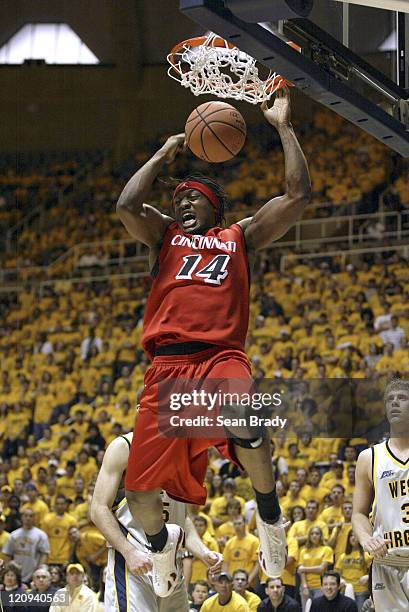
[
  {"x": 397, "y": 408},
  {"x": 193, "y": 211}
]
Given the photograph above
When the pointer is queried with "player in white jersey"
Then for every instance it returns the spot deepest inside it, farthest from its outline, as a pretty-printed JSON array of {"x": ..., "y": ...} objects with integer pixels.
[
  {"x": 128, "y": 586},
  {"x": 382, "y": 480}
]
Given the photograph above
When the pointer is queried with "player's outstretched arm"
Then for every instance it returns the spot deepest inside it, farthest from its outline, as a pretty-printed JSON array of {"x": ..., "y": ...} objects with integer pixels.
[
  {"x": 106, "y": 487},
  {"x": 194, "y": 545},
  {"x": 276, "y": 217},
  {"x": 143, "y": 222},
  {"x": 363, "y": 497}
]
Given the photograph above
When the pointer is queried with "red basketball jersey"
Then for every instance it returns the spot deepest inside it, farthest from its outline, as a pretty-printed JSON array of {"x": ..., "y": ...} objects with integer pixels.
[{"x": 200, "y": 290}]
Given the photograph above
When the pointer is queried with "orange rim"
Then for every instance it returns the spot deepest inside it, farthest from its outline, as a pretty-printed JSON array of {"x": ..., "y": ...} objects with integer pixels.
[{"x": 218, "y": 41}]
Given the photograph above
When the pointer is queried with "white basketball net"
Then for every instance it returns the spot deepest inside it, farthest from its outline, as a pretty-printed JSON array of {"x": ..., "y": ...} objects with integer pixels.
[{"x": 221, "y": 71}]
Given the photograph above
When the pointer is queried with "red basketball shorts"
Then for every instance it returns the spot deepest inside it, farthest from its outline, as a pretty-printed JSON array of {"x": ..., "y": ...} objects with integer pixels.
[{"x": 178, "y": 465}]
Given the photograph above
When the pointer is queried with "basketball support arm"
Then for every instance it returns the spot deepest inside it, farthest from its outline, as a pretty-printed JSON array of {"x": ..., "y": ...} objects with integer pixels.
[{"x": 326, "y": 71}]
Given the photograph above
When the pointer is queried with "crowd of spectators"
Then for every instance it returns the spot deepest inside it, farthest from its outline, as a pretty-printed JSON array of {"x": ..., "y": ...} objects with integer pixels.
[
  {"x": 347, "y": 177},
  {"x": 36, "y": 181},
  {"x": 72, "y": 368}
]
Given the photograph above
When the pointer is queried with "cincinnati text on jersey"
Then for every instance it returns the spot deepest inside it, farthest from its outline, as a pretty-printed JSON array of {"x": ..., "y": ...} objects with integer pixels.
[{"x": 198, "y": 243}]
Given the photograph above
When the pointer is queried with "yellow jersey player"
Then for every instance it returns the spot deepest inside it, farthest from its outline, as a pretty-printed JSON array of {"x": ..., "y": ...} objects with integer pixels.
[{"x": 382, "y": 479}]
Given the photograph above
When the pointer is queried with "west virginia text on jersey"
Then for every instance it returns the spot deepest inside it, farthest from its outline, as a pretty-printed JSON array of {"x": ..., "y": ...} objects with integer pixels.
[{"x": 391, "y": 504}]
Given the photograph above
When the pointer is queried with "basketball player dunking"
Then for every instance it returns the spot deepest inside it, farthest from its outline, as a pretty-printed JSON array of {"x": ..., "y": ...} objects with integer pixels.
[
  {"x": 128, "y": 586},
  {"x": 195, "y": 326},
  {"x": 382, "y": 479}
]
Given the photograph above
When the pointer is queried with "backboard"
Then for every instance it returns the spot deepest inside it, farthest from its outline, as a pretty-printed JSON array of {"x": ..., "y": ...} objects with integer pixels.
[{"x": 354, "y": 57}]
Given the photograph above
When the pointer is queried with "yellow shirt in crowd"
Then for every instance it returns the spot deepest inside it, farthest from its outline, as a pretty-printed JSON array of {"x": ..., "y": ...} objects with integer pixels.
[
  {"x": 241, "y": 553},
  {"x": 352, "y": 567},
  {"x": 236, "y": 604},
  {"x": 199, "y": 569},
  {"x": 57, "y": 527},
  {"x": 310, "y": 557}
]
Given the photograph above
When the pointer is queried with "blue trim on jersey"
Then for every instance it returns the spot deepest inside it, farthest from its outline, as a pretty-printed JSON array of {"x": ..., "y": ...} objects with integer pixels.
[{"x": 120, "y": 582}]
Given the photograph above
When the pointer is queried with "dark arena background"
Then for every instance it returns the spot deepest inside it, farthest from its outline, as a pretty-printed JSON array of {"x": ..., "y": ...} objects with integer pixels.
[{"x": 85, "y": 101}]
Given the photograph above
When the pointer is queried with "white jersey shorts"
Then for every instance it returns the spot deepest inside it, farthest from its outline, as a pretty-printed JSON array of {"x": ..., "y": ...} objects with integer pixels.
[
  {"x": 125, "y": 592},
  {"x": 390, "y": 588}
]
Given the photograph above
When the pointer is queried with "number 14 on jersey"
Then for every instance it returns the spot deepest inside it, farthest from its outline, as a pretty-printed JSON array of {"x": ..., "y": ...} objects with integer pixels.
[{"x": 213, "y": 273}]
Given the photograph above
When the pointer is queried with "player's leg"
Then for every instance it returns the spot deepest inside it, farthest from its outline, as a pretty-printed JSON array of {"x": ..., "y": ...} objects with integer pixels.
[
  {"x": 147, "y": 507},
  {"x": 390, "y": 588},
  {"x": 150, "y": 467},
  {"x": 177, "y": 602},
  {"x": 270, "y": 525},
  {"x": 257, "y": 462},
  {"x": 253, "y": 452},
  {"x": 125, "y": 592},
  {"x": 110, "y": 601},
  {"x": 165, "y": 540},
  {"x": 404, "y": 580}
]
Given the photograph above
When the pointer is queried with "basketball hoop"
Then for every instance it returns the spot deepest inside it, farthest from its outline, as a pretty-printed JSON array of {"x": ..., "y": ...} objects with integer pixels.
[{"x": 211, "y": 65}]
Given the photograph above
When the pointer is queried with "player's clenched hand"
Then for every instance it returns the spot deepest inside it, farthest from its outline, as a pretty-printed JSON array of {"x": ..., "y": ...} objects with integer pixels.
[
  {"x": 280, "y": 113},
  {"x": 376, "y": 546},
  {"x": 138, "y": 562},
  {"x": 214, "y": 561},
  {"x": 173, "y": 146}
]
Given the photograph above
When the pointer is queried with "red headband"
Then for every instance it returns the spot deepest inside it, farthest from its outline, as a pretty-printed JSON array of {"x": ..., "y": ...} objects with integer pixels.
[{"x": 204, "y": 189}]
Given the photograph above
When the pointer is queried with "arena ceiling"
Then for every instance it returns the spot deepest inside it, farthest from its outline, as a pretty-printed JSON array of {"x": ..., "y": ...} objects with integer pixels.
[
  {"x": 155, "y": 25},
  {"x": 152, "y": 27}
]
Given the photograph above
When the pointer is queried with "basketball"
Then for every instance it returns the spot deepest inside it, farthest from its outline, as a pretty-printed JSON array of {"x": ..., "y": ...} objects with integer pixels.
[{"x": 215, "y": 131}]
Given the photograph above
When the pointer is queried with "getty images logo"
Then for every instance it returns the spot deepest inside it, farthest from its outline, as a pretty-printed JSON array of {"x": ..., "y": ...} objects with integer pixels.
[{"x": 388, "y": 474}]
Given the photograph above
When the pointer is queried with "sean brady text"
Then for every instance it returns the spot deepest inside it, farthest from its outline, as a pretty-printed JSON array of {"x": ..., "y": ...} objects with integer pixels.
[{"x": 220, "y": 421}]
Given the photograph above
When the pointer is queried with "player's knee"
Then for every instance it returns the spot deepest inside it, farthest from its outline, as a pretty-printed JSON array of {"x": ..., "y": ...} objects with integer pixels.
[
  {"x": 251, "y": 443},
  {"x": 142, "y": 500},
  {"x": 239, "y": 426}
]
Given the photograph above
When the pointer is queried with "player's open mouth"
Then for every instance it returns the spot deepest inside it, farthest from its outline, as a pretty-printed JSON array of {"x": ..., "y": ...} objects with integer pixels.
[{"x": 188, "y": 220}]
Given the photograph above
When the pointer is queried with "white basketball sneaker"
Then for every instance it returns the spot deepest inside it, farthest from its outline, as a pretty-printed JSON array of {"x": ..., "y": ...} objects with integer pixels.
[
  {"x": 165, "y": 570},
  {"x": 272, "y": 555}
]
